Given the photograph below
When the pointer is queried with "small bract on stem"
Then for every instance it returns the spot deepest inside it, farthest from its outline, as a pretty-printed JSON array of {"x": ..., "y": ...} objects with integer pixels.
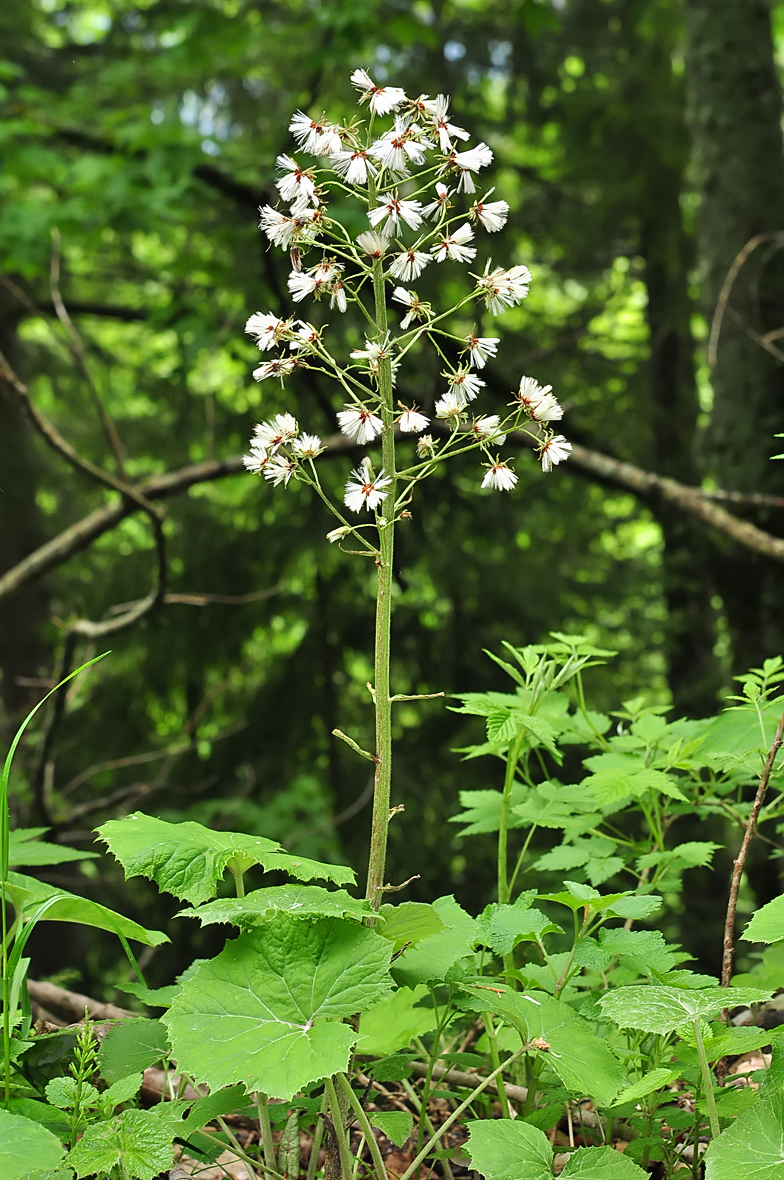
[{"x": 410, "y": 180}]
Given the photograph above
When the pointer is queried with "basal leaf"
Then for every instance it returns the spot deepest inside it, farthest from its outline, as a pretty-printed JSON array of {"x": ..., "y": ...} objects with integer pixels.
[
  {"x": 28, "y": 894},
  {"x": 130, "y": 1047},
  {"x": 432, "y": 958},
  {"x": 662, "y": 1009},
  {"x": 267, "y": 1011},
  {"x": 26, "y": 1147},
  {"x": 410, "y": 922},
  {"x": 504, "y": 1150},
  {"x": 204, "y": 1110},
  {"x": 136, "y": 1142},
  {"x": 649, "y": 1084},
  {"x": 397, "y": 1125},
  {"x": 767, "y": 924},
  {"x": 393, "y": 1022},
  {"x": 26, "y": 849},
  {"x": 753, "y": 1147},
  {"x": 188, "y": 860},
  {"x": 601, "y": 1163},
  {"x": 585, "y": 1063},
  {"x": 300, "y": 901}
]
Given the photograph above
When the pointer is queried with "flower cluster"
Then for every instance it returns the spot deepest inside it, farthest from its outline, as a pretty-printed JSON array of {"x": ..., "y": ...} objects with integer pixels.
[
  {"x": 277, "y": 448},
  {"x": 411, "y": 178}
]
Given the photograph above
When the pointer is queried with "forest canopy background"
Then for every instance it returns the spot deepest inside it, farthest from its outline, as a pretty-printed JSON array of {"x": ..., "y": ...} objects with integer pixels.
[{"x": 639, "y": 145}]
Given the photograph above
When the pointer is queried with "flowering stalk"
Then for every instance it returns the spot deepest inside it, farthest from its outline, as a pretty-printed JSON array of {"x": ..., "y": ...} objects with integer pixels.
[
  {"x": 388, "y": 174},
  {"x": 383, "y": 639}
]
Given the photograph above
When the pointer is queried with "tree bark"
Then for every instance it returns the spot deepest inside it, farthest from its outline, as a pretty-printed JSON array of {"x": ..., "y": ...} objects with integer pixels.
[
  {"x": 24, "y": 613},
  {"x": 693, "y": 670},
  {"x": 738, "y": 162}
]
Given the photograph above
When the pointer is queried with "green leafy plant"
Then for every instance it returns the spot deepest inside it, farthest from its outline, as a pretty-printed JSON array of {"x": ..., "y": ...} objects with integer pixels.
[{"x": 559, "y": 1010}]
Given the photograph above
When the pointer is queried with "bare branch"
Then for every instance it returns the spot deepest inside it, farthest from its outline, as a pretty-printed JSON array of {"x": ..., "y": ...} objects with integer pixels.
[
  {"x": 728, "y": 952},
  {"x": 726, "y": 290},
  {"x": 76, "y": 348}
]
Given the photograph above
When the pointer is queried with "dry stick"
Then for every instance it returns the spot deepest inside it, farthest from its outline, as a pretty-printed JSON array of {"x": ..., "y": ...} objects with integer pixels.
[
  {"x": 76, "y": 348},
  {"x": 740, "y": 860},
  {"x": 729, "y": 282}
]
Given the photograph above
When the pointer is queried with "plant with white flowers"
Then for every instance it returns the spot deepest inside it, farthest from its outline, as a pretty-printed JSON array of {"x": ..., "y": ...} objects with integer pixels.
[{"x": 418, "y": 192}]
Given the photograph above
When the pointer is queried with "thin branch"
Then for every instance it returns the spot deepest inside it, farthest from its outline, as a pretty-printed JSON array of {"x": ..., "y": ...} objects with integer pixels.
[
  {"x": 76, "y": 348},
  {"x": 204, "y": 599},
  {"x": 740, "y": 861},
  {"x": 726, "y": 290}
]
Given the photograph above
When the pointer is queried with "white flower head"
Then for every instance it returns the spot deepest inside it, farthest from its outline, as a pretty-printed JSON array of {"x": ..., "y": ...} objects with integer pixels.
[
  {"x": 383, "y": 99},
  {"x": 480, "y": 348},
  {"x": 393, "y": 211},
  {"x": 314, "y": 281},
  {"x": 354, "y": 166},
  {"x": 307, "y": 446},
  {"x": 454, "y": 245},
  {"x": 374, "y": 352},
  {"x": 438, "y": 109},
  {"x": 441, "y": 203},
  {"x": 409, "y": 265},
  {"x": 338, "y": 534},
  {"x": 554, "y": 450},
  {"x": 502, "y": 289},
  {"x": 360, "y": 424},
  {"x": 374, "y": 244},
  {"x": 451, "y": 406},
  {"x": 279, "y": 367},
  {"x": 279, "y": 470},
  {"x": 426, "y": 446},
  {"x": 468, "y": 163},
  {"x": 267, "y": 330},
  {"x": 412, "y": 422},
  {"x": 256, "y": 461},
  {"x": 400, "y": 147},
  {"x": 417, "y": 310},
  {"x": 296, "y": 183},
  {"x": 487, "y": 428},
  {"x": 465, "y": 382},
  {"x": 365, "y": 491},
  {"x": 530, "y": 394},
  {"x": 547, "y": 409},
  {"x": 283, "y": 230},
  {"x": 317, "y": 136},
  {"x": 274, "y": 433},
  {"x": 338, "y": 296},
  {"x": 499, "y": 476},
  {"x": 306, "y": 337},
  {"x": 491, "y": 214}
]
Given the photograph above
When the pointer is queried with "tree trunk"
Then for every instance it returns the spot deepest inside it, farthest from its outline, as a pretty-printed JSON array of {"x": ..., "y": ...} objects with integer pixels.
[
  {"x": 23, "y": 654},
  {"x": 694, "y": 673},
  {"x": 734, "y": 116}
]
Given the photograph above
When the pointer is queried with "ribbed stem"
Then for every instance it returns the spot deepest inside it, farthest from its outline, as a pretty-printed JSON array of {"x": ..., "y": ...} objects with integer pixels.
[{"x": 383, "y": 704}]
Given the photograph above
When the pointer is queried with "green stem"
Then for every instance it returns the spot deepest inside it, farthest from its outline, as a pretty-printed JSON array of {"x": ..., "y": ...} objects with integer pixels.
[
  {"x": 707, "y": 1081},
  {"x": 315, "y": 1147},
  {"x": 339, "y": 1127},
  {"x": 265, "y": 1127},
  {"x": 386, "y": 535},
  {"x": 455, "y": 1115},
  {"x": 503, "y": 831},
  {"x": 364, "y": 1123},
  {"x": 487, "y": 1020}
]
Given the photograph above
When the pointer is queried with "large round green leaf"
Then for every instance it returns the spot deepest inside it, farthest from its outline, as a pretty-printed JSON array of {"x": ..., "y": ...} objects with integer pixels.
[
  {"x": 268, "y": 1010},
  {"x": 26, "y": 1147}
]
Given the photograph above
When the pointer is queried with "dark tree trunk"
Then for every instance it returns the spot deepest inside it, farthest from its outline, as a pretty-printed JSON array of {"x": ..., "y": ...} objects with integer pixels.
[
  {"x": 693, "y": 671},
  {"x": 734, "y": 115},
  {"x": 23, "y": 653}
]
